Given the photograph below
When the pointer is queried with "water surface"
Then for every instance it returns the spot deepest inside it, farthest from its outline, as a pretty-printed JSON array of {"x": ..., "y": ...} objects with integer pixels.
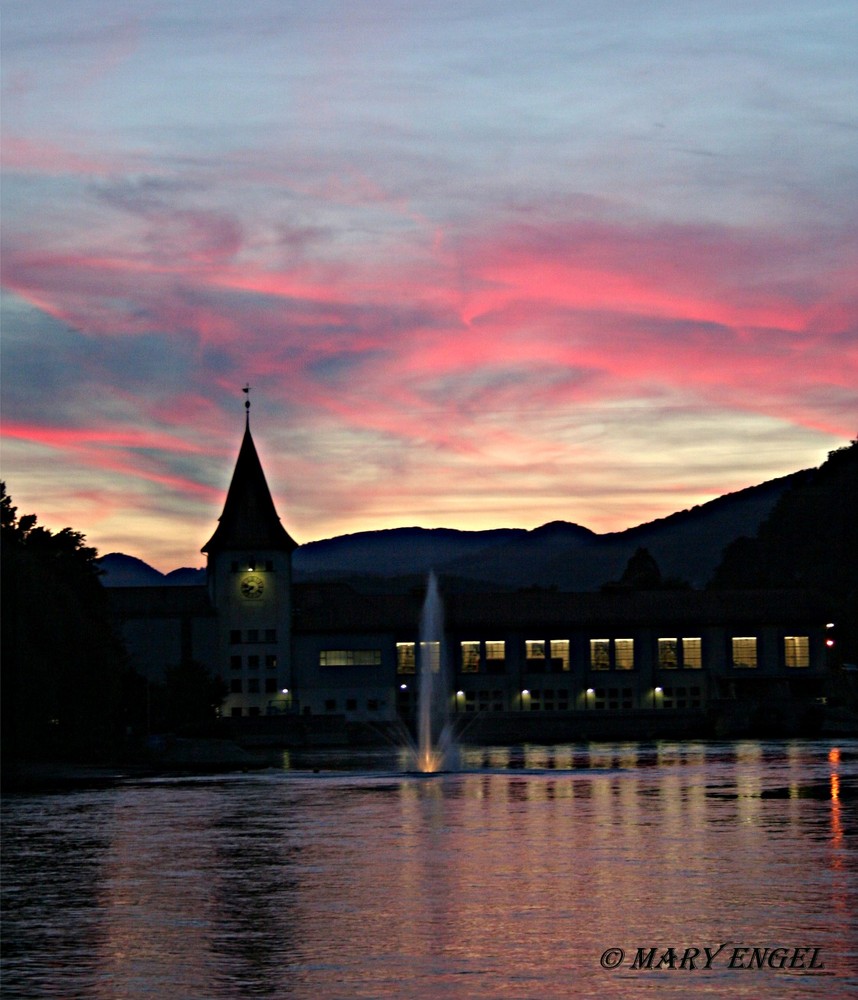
[{"x": 339, "y": 875}]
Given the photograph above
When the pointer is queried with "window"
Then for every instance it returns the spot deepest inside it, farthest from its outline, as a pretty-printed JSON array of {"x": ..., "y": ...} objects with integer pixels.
[
  {"x": 559, "y": 655},
  {"x": 235, "y": 636},
  {"x": 796, "y": 651},
  {"x": 613, "y": 699},
  {"x": 405, "y": 658},
  {"x": 600, "y": 654},
  {"x": 235, "y": 663},
  {"x": 470, "y": 657},
  {"x": 349, "y": 657},
  {"x": 684, "y": 653},
  {"x": 606, "y": 654},
  {"x": 484, "y": 701},
  {"x": 744, "y": 651},
  {"x": 692, "y": 653},
  {"x": 624, "y": 654},
  {"x": 495, "y": 656},
  {"x": 535, "y": 653},
  {"x": 668, "y": 654},
  {"x": 271, "y": 661},
  {"x": 681, "y": 697},
  {"x": 430, "y": 652},
  {"x": 253, "y": 663}
]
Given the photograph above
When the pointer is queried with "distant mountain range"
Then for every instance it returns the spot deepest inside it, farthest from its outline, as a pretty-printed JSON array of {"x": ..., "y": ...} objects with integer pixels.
[{"x": 687, "y": 546}]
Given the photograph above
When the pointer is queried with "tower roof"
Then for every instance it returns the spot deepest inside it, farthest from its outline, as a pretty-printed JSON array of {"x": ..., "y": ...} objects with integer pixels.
[{"x": 249, "y": 519}]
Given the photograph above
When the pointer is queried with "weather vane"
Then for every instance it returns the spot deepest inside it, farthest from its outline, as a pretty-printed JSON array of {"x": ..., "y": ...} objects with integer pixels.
[{"x": 246, "y": 391}]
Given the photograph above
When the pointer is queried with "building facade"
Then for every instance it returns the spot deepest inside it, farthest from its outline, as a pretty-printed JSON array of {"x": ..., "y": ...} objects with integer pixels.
[{"x": 323, "y": 649}]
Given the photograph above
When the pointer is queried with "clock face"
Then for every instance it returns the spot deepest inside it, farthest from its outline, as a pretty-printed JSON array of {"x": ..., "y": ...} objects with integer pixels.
[{"x": 252, "y": 586}]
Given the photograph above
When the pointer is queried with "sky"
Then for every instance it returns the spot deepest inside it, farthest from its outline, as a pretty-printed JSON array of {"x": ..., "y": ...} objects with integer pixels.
[{"x": 484, "y": 263}]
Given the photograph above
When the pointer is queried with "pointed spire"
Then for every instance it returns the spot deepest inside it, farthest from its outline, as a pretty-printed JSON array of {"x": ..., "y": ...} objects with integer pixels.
[{"x": 249, "y": 519}]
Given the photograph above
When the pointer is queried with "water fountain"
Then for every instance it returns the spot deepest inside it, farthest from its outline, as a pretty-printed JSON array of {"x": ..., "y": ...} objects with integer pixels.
[{"x": 436, "y": 748}]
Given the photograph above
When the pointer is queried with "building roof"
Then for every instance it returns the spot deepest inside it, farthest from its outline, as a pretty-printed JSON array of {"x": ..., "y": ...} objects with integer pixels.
[
  {"x": 326, "y": 607},
  {"x": 249, "y": 519}
]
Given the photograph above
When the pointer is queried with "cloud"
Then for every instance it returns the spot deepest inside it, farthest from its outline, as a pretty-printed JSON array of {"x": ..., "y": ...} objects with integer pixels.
[{"x": 480, "y": 264}]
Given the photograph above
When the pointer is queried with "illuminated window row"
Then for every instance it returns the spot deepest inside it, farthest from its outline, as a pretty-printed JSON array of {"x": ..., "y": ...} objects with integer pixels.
[
  {"x": 685, "y": 653},
  {"x": 796, "y": 652},
  {"x": 605, "y": 654},
  {"x": 350, "y": 658}
]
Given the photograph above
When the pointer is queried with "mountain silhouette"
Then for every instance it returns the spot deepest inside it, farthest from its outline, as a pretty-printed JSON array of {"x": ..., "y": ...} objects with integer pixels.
[{"x": 687, "y": 546}]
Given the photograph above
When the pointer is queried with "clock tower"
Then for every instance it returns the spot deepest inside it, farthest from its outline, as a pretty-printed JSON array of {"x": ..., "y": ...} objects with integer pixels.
[{"x": 249, "y": 573}]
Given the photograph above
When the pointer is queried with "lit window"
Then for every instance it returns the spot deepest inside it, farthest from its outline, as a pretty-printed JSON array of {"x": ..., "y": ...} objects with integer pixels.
[
  {"x": 600, "y": 654},
  {"x": 668, "y": 654},
  {"x": 796, "y": 651},
  {"x": 535, "y": 653},
  {"x": 692, "y": 653},
  {"x": 470, "y": 657},
  {"x": 744, "y": 651},
  {"x": 682, "y": 653},
  {"x": 349, "y": 657},
  {"x": 430, "y": 652},
  {"x": 559, "y": 655},
  {"x": 624, "y": 654},
  {"x": 405, "y": 658}
]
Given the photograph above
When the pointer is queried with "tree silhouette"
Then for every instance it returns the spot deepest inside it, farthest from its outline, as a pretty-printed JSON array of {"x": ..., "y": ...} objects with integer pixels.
[{"x": 62, "y": 663}]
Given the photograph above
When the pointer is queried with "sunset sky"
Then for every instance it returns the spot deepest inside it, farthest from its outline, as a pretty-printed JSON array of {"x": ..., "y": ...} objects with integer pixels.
[{"x": 484, "y": 262}]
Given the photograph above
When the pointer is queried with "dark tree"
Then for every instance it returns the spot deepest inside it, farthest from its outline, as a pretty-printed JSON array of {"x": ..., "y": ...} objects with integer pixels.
[
  {"x": 62, "y": 664},
  {"x": 642, "y": 572},
  {"x": 192, "y": 697},
  {"x": 809, "y": 541}
]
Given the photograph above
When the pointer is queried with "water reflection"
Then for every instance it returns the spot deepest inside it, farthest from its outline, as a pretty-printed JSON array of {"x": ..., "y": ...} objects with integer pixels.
[{"x": 507, "y": 880}]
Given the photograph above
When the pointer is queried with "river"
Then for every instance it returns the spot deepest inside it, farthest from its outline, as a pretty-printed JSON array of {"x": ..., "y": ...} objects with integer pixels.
[{"x": 590, "y": 870}]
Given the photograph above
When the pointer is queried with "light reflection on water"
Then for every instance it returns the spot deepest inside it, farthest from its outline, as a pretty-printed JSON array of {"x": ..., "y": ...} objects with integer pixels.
[{"x": 339, "y": 876}]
